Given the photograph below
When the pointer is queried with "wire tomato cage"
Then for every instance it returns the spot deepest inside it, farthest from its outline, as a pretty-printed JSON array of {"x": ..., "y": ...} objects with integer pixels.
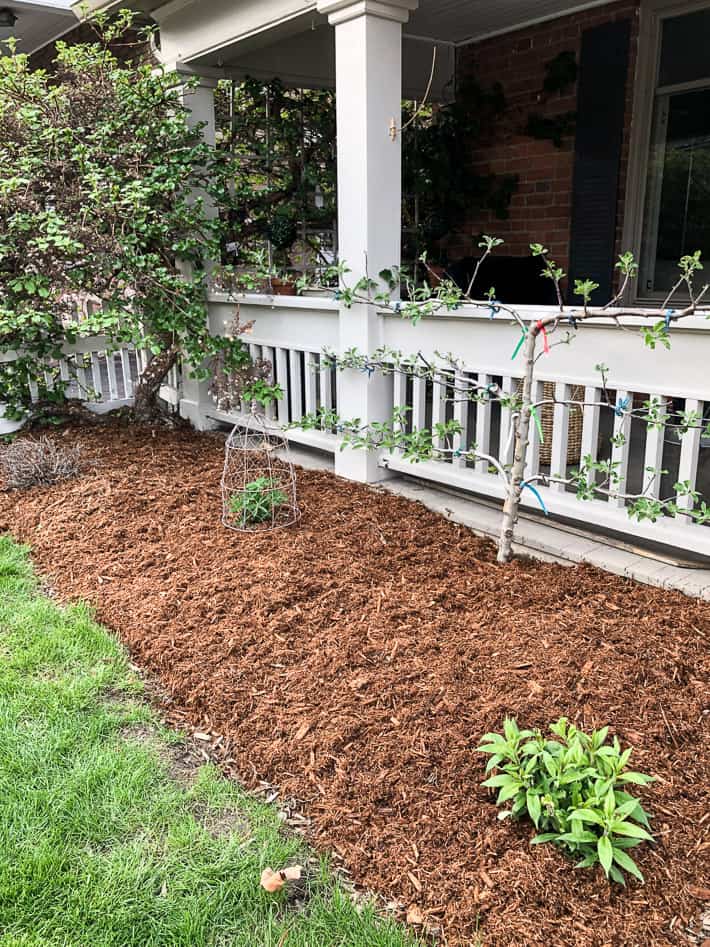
[{"x": 259, "y": 480}]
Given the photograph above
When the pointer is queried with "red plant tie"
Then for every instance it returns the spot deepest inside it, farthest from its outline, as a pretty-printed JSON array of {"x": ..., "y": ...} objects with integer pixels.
[{"x": 545, "y": 340}]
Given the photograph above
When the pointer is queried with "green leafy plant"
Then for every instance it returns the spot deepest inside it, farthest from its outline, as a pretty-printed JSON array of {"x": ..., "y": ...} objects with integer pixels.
[
  {"x": 281, "y": 145},
  {"x": 257, "y": 502},
  {"x": 572, "y": 788},
  {"x": 441, "y": 191}
]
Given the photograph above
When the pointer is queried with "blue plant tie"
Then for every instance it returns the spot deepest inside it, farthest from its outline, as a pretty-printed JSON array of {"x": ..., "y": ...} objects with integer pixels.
[
  {"x": 494, "y": 309},
  {"x": 398, "y": 307},
  {"x": 536, "y": 492},
  {"x": 621, "y": 406},
  {"x": 458, "y": 453},
  {"x": 667, "y": 320},
  {"x": 572, "y": 321},
  {"x": 337, "y": 294}
]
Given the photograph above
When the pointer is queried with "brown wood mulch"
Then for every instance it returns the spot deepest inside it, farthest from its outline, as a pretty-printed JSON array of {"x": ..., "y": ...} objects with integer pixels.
[{"x": 355, "y": 660}]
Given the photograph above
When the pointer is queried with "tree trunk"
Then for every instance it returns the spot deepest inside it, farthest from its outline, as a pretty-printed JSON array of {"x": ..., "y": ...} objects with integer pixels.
[
  {"x": 511, "y": 508},
  {"x": 145, "y": 395}
]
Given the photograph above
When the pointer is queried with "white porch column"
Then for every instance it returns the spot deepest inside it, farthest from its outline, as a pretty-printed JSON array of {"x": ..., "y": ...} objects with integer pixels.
[
  {"x": 368, "y": 49},
  {"x": 200, "y": 102}
]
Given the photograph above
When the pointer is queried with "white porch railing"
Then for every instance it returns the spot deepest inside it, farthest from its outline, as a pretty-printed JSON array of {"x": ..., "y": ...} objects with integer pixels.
[
  {"x": 291, "y": 333},
  {"x": 95, "y": 373}
]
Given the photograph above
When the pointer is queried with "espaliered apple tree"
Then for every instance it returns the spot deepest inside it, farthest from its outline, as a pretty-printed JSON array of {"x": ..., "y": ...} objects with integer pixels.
[
  {"x": 593, "y": 478},
  {"x": 100, "y": 172}
]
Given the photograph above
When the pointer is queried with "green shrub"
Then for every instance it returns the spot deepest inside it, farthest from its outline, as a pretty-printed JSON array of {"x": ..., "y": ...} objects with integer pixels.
[
  {"x": 257, "y": 502},
  {"x": 571, "y": 788}
]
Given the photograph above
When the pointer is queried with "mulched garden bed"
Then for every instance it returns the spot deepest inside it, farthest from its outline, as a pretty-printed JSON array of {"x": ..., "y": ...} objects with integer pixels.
[{"x": 354, "y": 661}]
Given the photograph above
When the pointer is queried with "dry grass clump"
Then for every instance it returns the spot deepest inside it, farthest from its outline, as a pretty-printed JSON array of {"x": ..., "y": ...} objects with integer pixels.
[{"x": 33, "y": 462}]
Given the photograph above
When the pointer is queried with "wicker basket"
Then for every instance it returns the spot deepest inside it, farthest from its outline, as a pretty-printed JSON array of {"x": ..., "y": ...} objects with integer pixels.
[{"x": 547, "y": 419}]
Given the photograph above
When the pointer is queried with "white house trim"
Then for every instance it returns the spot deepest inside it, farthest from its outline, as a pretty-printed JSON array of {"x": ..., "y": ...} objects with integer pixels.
[
  {"x": 652, "y": 14},
  {"x": 340, "y": 11}
]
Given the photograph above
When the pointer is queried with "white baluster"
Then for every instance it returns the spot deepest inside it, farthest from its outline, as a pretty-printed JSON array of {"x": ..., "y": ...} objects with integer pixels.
[
  {"x": 281, "y": 367},
  {"x": 81, "y": 376},
  {"x": 418, "y": 403},
  {"x": 400, "y": 394},
  {"x": 483, "y": 424},
  {"x": 689, "y": 456},
  {"x": 267, "y": 353},
  {"x": 97, "y": 383},
  {"x": 620, "y": 451},
  {"x": 126, "y": 371},
  {"x": 461, "y": 404},
  {"x": 590, "y": 427},
  {"x": 532, "y": 460},
  {"x": 112, "y": 380},
  {"x": 64, "y": 371},
  {"x": 310, "y": 367},
  {"x": 438, "y": 411},
  {"x": 653, "y": 456},
  {"x": 506, "y": 445},
  {"x": 326, "y": 384},
  {"x": 560, "y": 435},
  {"x": 296, "y": 385}
]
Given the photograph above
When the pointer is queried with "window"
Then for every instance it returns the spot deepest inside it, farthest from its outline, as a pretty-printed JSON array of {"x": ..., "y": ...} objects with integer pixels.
[{"x": 676, "y": 216}]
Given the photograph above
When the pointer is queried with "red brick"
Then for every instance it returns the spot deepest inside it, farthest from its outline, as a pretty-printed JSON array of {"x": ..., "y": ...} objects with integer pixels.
[{"x": 541, "y": 207}]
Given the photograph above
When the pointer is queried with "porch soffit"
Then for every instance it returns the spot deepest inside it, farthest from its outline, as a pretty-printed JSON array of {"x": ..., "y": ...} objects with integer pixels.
[
  {"x": 40, "y": 21},
  {"x": 223, "y": 29},
  {"x": 292, "y": 40}
]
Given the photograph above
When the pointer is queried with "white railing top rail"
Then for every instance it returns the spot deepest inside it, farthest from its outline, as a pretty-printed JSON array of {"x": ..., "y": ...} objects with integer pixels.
[
  {"x": 624, "y": 316},
  {"x": 266, "y": 300},
  {"x": 83, "y": 344}
]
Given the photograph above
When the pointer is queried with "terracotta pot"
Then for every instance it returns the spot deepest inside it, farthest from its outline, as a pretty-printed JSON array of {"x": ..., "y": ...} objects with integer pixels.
[
  {"x": 280, "y": 287},
  {"x": 435, "y": 273}
]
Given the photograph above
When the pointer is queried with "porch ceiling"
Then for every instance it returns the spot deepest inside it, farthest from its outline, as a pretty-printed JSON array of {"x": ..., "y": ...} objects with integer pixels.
[
  {"x": 448, "y": 21},
  {"x": 465, "y": 21},
  {"x": 289, "y": 38},
  {"x": 39, "y": 21}
]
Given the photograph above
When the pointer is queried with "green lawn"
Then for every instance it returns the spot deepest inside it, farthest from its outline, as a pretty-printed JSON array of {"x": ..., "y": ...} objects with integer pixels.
[{"x": 99, "y": 845}]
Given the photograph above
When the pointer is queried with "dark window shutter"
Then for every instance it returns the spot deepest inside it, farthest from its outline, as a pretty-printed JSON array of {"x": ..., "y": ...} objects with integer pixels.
[{"x": 601, "y": 95}]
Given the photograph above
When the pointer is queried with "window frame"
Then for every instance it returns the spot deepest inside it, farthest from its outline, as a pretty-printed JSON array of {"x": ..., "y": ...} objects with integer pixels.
[{"x": 652, "y": 13}]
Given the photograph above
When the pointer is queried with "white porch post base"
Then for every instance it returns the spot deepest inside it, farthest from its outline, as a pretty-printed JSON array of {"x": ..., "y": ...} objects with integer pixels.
[
  {"x": 368, "y": 50},
  {"x": 360, "y": 396},
  {"x": 192, "y": 404}
]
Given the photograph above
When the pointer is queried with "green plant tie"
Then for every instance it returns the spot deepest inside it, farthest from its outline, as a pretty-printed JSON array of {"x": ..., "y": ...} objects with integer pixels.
[
  {"x": 518, "y": 347},
  {"x": 536, "y": 418}
]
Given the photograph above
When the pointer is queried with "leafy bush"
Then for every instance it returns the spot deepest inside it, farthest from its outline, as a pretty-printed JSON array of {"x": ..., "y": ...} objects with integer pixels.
[
  {"x": 101, "y": 162},
  {"x": 29, "y": 463},
  {"x": 257, "y": 502},
  {"x": 571, "y": 788}
]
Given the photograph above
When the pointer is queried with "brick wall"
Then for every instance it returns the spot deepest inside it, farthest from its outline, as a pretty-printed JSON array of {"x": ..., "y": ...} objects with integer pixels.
[{"x": 541, "y": 207}]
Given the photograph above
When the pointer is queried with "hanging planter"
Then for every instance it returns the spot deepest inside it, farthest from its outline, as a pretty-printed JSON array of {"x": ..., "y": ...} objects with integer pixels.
[{"x": 258, "y": 481}]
